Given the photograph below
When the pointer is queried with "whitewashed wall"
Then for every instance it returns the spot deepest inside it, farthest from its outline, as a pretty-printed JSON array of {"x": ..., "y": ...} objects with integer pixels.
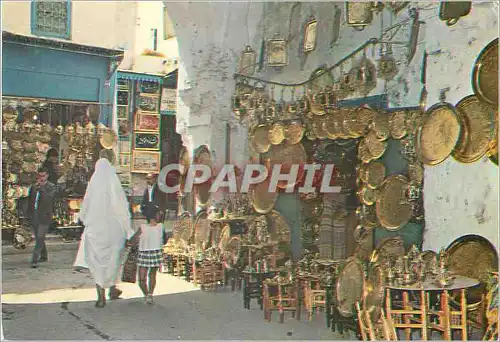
[{"x": 459, "y": 199}]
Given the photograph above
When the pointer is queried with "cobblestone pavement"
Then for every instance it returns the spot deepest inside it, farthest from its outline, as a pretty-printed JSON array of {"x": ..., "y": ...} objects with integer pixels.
[{"x": 55, "y": 302}]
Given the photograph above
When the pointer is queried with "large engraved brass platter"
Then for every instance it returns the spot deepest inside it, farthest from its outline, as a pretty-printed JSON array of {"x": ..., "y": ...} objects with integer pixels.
[
  {"x": 262, "y": 200},
  {"x": 374, "y": 174},
  {"x": 202, "y": 156},
  {"x": 375, "y": 146},
  {"x": 365, "y": 117},
  {"x": 438, "y": 135},
  {"x": 381, "y": 126},
  {"x": 294, "y": 133},
  {"x": 478, "y": 129},
  {"x": 276, "y": 133},
  {"x": 485, "y": 74},
  {"x": 350, "y": 286},
  {"x": 259, "y": 139},
  {"x": 287, "y": 155},
  {"x": 388, "y": 249},
  {"x": 393, "y": 209},
  {"x": 363, "y": 152},
  {"x": 472, "y": 256},
  {"x": 108, "y": 139},
  {"x": 201, "y": 230}
]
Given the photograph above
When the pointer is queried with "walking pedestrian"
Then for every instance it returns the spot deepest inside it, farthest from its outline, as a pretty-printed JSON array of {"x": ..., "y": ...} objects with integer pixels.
[
  {"x": 150, "y": 250},
  {"x": 40, "y": 212},
  {"x": 106, "y": 217}
]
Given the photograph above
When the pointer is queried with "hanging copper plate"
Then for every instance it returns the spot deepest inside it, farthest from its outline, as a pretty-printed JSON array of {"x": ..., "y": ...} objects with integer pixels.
[
  {"x": 276, "y": 133},
  {"x": 365, "y": 117},
  {"x": 416, "y": 173},
  {"x": 388, "y": 249},
  {"x": 363, "y": 153},
  {"x": 393, "y": 209},
  {"x": 397, "y": 124},
  {"x": 478, "y": 129},
  {"x": 472, "y": 256},
  {"x": 380, "y": 125},
  {"x": 184, "y": 160},
  {"x": 288, "y": 155},
  {"x": 201, "y": 230},
  {"x": 438, "y": 135},
  {"x": 294, "y": 133},
  {"x": 374, "y": 174},
  {"x": 279, "y": 228},
  {"x": 375, "y": 146},
  {"x": 485, "y": 74},
  {"x": 262, "y": 200},
  {"x": 318, "y": 126},
  {"x": 259, "y": 139},
  {"x": 367, "y": 196},
  {"x": 350, "y": 286},
  {"x": 108, "y": 139}
]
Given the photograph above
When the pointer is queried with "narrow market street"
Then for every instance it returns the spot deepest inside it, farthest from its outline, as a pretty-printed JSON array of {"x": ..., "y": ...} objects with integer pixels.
[{"x": 55, "y": 302}]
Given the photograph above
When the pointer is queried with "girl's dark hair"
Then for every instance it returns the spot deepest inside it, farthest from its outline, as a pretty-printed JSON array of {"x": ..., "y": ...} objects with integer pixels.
[{"x": 151, "y": 212}]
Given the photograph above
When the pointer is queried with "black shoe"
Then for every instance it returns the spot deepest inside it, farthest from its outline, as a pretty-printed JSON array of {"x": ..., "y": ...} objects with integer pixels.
[{"x": 34, "y": 265}]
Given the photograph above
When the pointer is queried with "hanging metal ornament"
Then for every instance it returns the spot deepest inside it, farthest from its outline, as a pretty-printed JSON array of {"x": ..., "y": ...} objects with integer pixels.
[
  {"x": 452, "y": 11},
  {"x": 359, "y": 14},
  {"x": 277, "y": 52},
  {"x": 310, "y": 35},
  {"x": 247, "y": 62}
]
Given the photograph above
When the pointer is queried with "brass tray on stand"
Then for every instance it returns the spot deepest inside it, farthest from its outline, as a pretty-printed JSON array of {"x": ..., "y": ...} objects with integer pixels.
[
  {"x": 350, "y": 286},
  {"x": 478, "y": 131},
  {"x": 438, "y": 135},
  {"x": 485, "y": 74},
  {"x": 393, "y": 209}
]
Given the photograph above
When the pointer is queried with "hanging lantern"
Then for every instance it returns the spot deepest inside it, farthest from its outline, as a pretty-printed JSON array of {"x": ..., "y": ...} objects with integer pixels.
[{"x": 247, "y": 62}]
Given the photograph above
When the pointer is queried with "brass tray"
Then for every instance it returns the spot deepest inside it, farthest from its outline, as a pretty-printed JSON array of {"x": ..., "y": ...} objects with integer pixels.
[
  {"x": 364, "y": 247},
  {"x": 429, "y": 257},
  {"x": 262, "y": 200},
  {"x": 279, "y": 228},
  {"x": 472, "y": 256},
  {"x": 375, "y": 146},
  {"x": 388, "y": 249},
  {"x": 318, "y": 126},
  {"x": 363, "y": 152},
  {"x": 397, "y": 124},
  {"x": 108, "y": 139},
  {"x": 183, "y": 230},
  {"x": 414, "y": 120},
  {"x": 294, "y": 133},
  {"x": 184, "y": 160},
  {"x": 393, "y": 209},
  {"x": 276, "y": 133},
  {"x": 287, "y": 155},
  {"x": 365, "y": 117},
  {"x": 438, "y": 135},
  {"x": 259, "y": 139},
  {"x": 333, "y": 124},
  {"x": 485, "y": 74},
  {"x": 478, "y": 129},
  {"x": 381, "y": 126},
  {"x": 201, "y": 230},
  {"x": 374, "y": 174},
  {"x": 350, "y": 286}
]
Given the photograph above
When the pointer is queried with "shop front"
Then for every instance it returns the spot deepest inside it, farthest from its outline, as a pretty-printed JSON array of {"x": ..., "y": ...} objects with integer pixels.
[{"x": 56, "y": 101}]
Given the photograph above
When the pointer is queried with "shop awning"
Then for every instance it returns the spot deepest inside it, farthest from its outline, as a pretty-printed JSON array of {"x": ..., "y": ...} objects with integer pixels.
[{"x": 137, "y": 76}]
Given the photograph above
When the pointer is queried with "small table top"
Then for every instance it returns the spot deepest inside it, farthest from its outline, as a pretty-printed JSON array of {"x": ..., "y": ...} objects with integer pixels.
[{"x": 458, "y": 283}]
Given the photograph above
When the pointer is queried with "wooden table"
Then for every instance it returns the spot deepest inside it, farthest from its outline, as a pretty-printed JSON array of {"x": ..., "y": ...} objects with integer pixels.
[{"x": 408, "y": 310}]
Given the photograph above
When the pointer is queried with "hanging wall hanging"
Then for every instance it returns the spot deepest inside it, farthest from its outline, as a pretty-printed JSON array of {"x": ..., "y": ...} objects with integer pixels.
[{"x": 277, "y": 52}]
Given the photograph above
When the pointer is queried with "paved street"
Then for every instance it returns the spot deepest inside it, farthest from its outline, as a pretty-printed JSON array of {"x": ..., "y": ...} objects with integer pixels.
[{"x": 55, "y": 302}]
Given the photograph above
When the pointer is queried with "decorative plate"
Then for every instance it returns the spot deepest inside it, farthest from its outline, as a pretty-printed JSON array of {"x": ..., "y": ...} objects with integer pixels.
[
  {"x": 438, "y": 135},
  {"x": 472, "y": 256},
  {"x": 318, "y": 127},
  {"x": 393, "y": 209},
  {"x": 374, "y": 174},
  {"x": 380, "y": 125},
  {"x": 108, "y": 139},
  {"x": 201, "y": 230},
  {"x": 259, "y": 139},
  {"x": 397, "y": 124},
  {"x": 478, "y": 129},
  {"x": 365, "y": 117},
  {"x": 294, "y": 133},
  {"x": 350, "y": 286},
  {"x": 365, "y": 246},
  {"x": 414, "y": 120},
  {"x": 429, "y": 257},
  {"x": 363, "y": 152},
  {"x": 485, "y": 74},
  {"x": 262, "y": 200},
  {"x": 276, "y": 133},
  {"x": 333, "y": 124},
  {"x": 375, "y": 146}
]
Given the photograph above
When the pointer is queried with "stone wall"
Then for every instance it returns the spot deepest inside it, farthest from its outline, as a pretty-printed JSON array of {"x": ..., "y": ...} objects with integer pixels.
[{"x": 459, "y": 199}]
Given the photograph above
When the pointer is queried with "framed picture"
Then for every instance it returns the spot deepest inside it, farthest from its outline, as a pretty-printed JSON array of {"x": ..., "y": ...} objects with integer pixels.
[
  {"x": 146, "y": 141},
  {"x": 123, "y": 129},
  {"x": 122, "y": 99},
  {"x": 277, "y": 53},
  {"x": 124, "y": 159},
  {"x": 149, "y": 103},
  {"x": 122, "y": 112},
  {"x": 149, "y": 87},
  {"x": 147, "y": 122},
  {"x": 310, "y": 35},
  {"x": 145, "y": 162},
  {"x": 124, "y": 147},
  {"x": 168, "y": 100}
]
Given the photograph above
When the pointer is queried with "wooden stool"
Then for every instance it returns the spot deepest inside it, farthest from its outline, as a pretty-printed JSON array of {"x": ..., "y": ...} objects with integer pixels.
[{"x": 279, "y": 296}]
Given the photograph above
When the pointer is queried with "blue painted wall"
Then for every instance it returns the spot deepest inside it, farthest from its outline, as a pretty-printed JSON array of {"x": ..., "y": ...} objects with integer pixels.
[{"x": 45, "y": 73}]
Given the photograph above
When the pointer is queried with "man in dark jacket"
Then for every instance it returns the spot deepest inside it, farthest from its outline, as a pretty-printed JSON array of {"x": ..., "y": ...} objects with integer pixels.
[
  {"x": 153, "y": 194},
  {"x": 40, "y": 212},
  {"x": 52, "y": 165}
]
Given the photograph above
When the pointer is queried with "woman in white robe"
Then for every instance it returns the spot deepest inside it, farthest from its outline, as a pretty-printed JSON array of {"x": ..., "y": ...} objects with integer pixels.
[{"x": 106, "y": 217}]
